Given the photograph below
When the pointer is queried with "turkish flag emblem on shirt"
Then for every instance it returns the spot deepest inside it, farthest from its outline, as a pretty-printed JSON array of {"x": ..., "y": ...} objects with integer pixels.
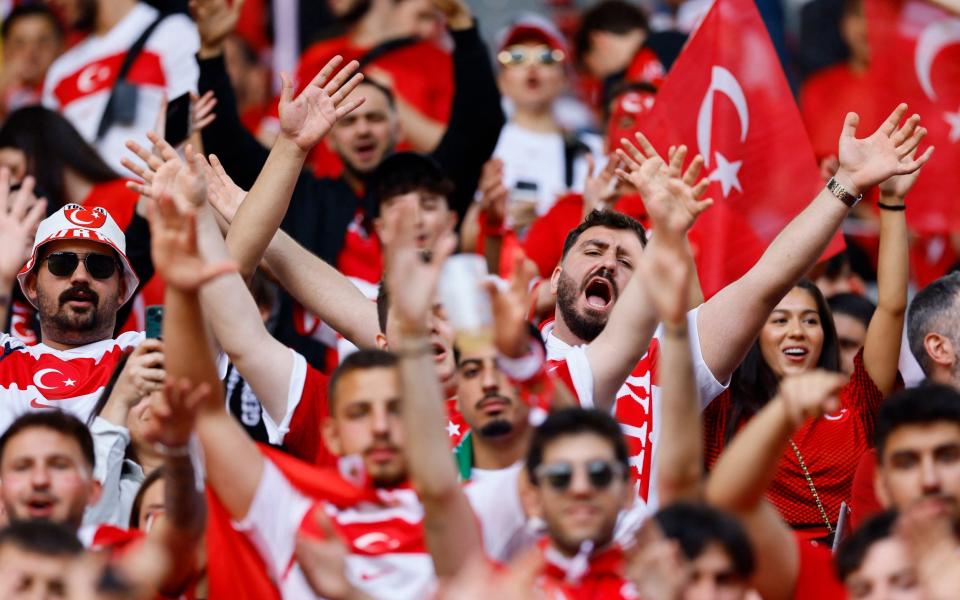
[
  {"x": 915, "y": 58},
  {"x": 727, "y": 99}
]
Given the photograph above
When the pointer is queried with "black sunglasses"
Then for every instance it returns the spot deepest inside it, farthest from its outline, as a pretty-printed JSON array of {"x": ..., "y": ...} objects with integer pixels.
[
  {"x": 559, "y": 475},
  {"x": 63, "y": 264}
]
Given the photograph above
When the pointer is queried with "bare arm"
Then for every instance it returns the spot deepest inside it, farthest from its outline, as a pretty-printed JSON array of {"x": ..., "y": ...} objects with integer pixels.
[
  {"x": 20, "y": 214},
  {"x": 881, "y": 349},
  {"x": 449, "y": 521},
  {"x": 730, "y": 321},
  {"x": 745, "y": 469}
]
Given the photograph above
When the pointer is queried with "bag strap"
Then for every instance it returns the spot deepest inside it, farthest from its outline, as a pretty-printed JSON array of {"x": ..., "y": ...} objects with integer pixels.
[
  {"x": 385, "y": 48},
  {"x": 107, "y": 119},
  {"x": 572, "y": 148}
]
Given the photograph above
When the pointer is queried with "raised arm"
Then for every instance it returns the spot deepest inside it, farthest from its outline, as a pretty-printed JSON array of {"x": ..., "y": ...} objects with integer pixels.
[
  {"x": 730, "y": 320},
  {"x": 745, "y": 469},
  {"x": 881, "y": 349},
  {"x": 20, "y": 214},
  {"x": 449, "y": 522}
]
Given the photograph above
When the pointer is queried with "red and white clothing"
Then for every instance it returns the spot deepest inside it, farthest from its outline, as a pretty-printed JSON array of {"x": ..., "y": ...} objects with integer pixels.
[
  {"x": 388, "y": 555},
  {"x": 78, "y": 83},
  {"x": 637, "y": 406},
  {"x": 599, "y": 575},
  {"x": 39, "y": 377}
]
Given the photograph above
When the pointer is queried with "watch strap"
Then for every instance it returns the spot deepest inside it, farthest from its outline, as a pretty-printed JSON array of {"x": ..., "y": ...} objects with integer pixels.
[{"x": 842, "y": 194}]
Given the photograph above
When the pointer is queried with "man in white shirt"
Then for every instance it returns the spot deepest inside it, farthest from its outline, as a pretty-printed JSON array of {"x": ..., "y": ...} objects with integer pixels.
[{"x": 79, "y": 83}]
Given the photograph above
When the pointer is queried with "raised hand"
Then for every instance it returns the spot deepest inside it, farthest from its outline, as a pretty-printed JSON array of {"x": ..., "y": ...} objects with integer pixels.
[
  {"x": 20, "y": 214},
  {"x": 511, "y": 304},
  {"x": 308, "y": 117},
  {"x": 898, "y": 186},
  {"x": 324, "y": 561},
  {"x": 173, "y": 247},
  {"x": 600, "y": 188},
  {"x": 810, "y": 395},
  {"x": 669, "y": 266},
  {"x": 223, "y": 193},
  {"x": 671, "y": 197},
  {"x": 201, "y": 111},
  {"x": 412, "y": 274},
  {"x": 493, "y": 194},
  {"x": 656, "y": 565},
  {"x": 173, "y": 413},
  {"x": 479, "y": 580},
  {"x": 143, "y": 374},
  {"x": 887, "y": 152},
  {"x": 216, "y": 19}
]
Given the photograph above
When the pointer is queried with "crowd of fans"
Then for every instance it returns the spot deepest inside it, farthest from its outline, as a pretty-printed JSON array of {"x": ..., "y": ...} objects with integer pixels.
[{"x": 418, "y": 316}]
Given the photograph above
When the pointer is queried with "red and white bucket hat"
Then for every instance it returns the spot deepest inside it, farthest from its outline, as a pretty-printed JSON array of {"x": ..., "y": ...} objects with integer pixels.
[{"x": 74, "y": 222}]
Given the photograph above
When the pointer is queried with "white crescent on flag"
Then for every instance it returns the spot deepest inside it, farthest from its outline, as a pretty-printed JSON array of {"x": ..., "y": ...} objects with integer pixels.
[
  {"x": 932, "y": 40},
  {"x": 723, "y": 81},
  {"x": 38, "y": 378}
]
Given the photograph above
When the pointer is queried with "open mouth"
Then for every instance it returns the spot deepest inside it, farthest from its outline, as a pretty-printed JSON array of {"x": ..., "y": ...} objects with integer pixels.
[
  {"x": 796, "y": 353},
  {"x": 439, "y": 352},
  {"x": 365, "y": 151},
  {"x": 599, "y": 293},
  {"x": 40, "y": 507}
]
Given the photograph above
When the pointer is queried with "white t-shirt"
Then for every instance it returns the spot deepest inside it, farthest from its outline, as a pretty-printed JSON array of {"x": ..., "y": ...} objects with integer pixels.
[
  {"x": 78, "y": 83},
  {"x": 538, "y": 159},
  {"x": 388, "y": 555},
  {"x": 39, "y": 377},
  {"x": 638, "y": 403}
]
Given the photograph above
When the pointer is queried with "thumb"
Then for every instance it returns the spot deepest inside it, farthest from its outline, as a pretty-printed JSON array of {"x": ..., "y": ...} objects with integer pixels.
[
  {"x": 286, "y": 89},
  {"x": 850, "y": 125}
]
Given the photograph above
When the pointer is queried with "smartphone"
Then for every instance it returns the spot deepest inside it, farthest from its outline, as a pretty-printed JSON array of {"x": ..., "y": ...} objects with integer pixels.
[
  {"x": 154, "y": 317},
  {"x": 178, "y": 120}
]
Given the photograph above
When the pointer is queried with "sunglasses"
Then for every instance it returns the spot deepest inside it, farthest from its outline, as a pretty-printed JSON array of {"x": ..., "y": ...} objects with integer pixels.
[
  {"x": 514, "y": 56},
  {"x": 63, "y": 264},
  {"x": 559, "y": 476}
]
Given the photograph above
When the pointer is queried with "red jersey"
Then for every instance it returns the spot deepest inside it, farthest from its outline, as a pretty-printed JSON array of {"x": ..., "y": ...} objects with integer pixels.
[
  {"x": 598, "y": 576},
  {"x": 863, "y": 494},
  {"x": 831, "y": 447},
  {"x": 826, "y": 98},
  {"x": 816, "y": 577}
]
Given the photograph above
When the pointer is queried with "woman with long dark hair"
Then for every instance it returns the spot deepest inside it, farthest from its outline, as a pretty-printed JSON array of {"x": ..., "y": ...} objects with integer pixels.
[{"x": 816, "y": 471}]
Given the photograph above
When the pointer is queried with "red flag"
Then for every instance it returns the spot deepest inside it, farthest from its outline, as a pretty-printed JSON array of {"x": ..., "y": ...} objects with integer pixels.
[
  {"x": 234, "y": 568},
  {"x": 726, "y": 98},
  {"x": 915, "y": 58}
]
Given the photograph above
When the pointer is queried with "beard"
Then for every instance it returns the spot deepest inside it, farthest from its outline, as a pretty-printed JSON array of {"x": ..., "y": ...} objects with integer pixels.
[
  {"x": 587, "y": 325},
  {"x": 496, "y": 428},
  {"x": 65, "y": 324}
]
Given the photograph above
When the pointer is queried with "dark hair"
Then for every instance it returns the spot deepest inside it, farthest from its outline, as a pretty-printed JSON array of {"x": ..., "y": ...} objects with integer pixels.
[
  {"x": 56, "y": 420},
  {"x": 854, "y": 549},
  {"x": 30, "y": 9},
  {"x": 575, "y": 421},
  {"x": 615, "y": 16},
  {"x": 263, "y": 290},
  {"x": 360, "y": 360},
  {"x": 930, "y": 312},
  {"x": 40, "y": 536},
  {"x": 391, "y": 97},
  {"x": 924, "y": 405},
  {"x": 51, "y": 144},
  {"x": 383, "y": 306},
  {"x": 853, "y": 305},
  {"x": 154, "y": 476},
  {"x": 610, "y": 219},
  {"x": 852, "y": 7},
  {"x": 406, "y": 172},
  {"x": 754, "y": 383},
  {"x": 696, "y": 525}
]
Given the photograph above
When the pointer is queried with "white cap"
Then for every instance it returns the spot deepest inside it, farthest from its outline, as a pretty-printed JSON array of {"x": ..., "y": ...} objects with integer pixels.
[{"x": 74, "y": 222}]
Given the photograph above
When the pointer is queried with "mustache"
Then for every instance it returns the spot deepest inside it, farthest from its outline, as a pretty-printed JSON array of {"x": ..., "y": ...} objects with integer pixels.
[
  {"x": 79, "y": 292},
  {"x": 493, "y": 396}
]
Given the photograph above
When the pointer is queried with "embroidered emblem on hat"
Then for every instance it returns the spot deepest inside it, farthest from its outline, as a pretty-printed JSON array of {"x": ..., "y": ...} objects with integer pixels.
[{"x": 85, "y": 217}]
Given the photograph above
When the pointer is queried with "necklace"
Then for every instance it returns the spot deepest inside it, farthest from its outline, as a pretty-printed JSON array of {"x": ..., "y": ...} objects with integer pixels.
[{"x": 813, "y": 488}]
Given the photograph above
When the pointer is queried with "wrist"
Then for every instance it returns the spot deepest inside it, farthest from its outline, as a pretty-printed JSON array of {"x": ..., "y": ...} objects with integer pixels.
[
  {"x": 460, "y": 21},
  {"x": 891, "y": 198},
  {"x": 288, "y": 145},
  {"x": 845, "y": 179}
]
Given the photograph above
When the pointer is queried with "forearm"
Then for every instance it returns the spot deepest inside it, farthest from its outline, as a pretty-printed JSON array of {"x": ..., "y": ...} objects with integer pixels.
[
  {"x": 262, "y": 211},
  {"x": 680, "y": 452},
  {"x": 183, "y": 526},
  {"x": 748, "y": 465},
  {"x": 323, "y": 290},
  {"x": 422, "y": 132},
  {"x": 184, "y": 357},
  {"x": 881, "y": 351}
]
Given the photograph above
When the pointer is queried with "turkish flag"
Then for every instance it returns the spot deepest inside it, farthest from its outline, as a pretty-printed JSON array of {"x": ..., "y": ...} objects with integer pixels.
[
  {"x": 726, "y": 97},
  {"x": 915, "y": 58}
]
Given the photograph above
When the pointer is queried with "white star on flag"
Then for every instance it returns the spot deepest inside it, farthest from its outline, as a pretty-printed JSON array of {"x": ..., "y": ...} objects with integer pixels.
[
  {"x": 69, "y": 383},
  {"x": 453, "y": 430},
  {"x": 726, "y": 174},
  {"x": 953, "y": 119}
]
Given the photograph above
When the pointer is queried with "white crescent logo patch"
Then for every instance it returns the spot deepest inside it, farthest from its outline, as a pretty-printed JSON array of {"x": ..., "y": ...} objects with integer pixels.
[
  {"x": 38, "y": 378},
  {"x": 724, "y": 82}
]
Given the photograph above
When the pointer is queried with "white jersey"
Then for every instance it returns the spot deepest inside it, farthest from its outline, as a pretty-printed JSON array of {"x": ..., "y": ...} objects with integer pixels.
[
  {"x": 78, "y": 83},
  {"x": 638, "y": 406},
  {"x": 39, "y": 377},
  {"x": 388, "y": 555}
]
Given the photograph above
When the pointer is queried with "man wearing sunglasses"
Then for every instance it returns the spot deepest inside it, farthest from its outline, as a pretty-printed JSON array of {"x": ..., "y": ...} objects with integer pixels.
[{"x": 77, "y": 277}]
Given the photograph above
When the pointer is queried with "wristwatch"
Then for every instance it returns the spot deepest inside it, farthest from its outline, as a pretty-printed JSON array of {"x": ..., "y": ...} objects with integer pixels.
[{"x": 842, "y": 194}]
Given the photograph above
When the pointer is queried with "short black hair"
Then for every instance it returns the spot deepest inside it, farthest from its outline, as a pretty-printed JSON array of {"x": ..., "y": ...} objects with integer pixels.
[
  {"x": 360, "y": 360},
  {"x": 854, "y": 548},
  {"x": 383, "y": 306},
  {"x": 39, "y": 536},
  {"x": 853, "y": 305},
  {"x": 391, "y": 97},
  {"x": 696, "y": 525},
  {"x": 55, "y": 420},
  {"x": 615, "y": 16},
  {"x": 30, "y": 9},
  {"x": 406, "y": 172},
  {"x": 575, "y": 421},
  {"x": 930, "y": 311},
  {"x": 923, "y": 405},
  {"x": 610, "y": 219}
]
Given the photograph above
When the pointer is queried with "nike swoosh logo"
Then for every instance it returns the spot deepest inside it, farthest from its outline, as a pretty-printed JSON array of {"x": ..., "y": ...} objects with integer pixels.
[{"x": 35, "y": 404}]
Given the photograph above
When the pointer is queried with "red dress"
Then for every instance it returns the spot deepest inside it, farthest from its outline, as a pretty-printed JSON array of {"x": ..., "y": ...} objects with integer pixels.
[{"x": 831, "y": 447}]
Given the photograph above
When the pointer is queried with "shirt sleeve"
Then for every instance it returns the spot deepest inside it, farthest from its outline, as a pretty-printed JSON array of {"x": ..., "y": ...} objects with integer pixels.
[
  {"x": 109, "y": 446},
  {"x": 707, "y": 385},
  {"x": 300, "y": 429},
  {"x": 274, "y": 517},
  {"x": 861, "y": 394}
]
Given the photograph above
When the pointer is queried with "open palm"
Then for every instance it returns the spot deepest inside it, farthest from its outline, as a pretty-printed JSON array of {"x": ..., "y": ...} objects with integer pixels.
[
  {"x": 308, "y": 117},
  {"x": 887, "y": 152},
  {"x": 20, "y": 215}
]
